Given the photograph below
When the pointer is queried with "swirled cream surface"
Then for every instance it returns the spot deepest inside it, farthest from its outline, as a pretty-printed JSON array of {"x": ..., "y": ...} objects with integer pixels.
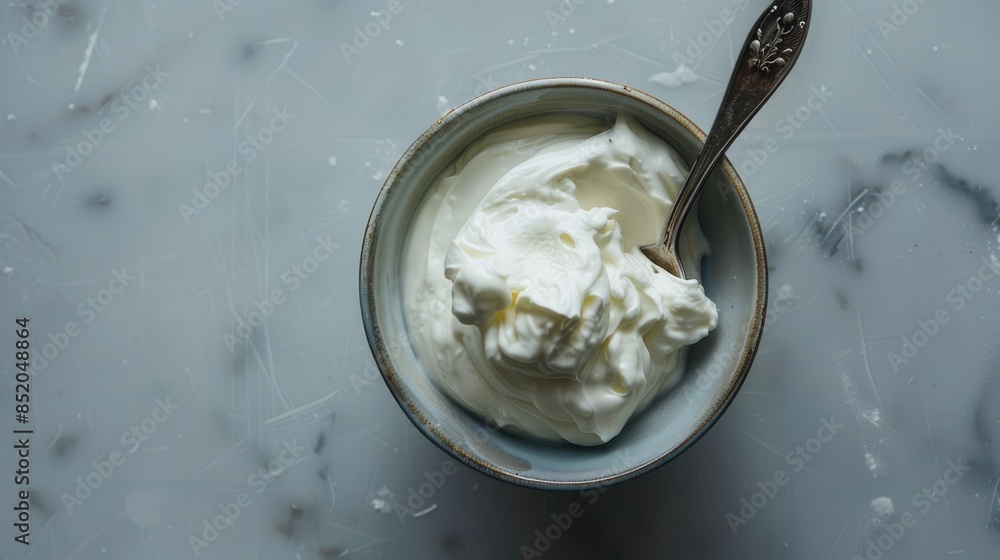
[{"x": 527, "y": 298}]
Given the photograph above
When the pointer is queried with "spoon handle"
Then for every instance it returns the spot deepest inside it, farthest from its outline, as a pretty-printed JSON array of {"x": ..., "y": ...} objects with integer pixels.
[{"x": 769, "y": 52}]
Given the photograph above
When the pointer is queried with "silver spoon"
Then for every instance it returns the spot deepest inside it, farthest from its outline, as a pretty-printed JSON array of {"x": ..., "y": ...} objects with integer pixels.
[{"x": 770, "y": 51}]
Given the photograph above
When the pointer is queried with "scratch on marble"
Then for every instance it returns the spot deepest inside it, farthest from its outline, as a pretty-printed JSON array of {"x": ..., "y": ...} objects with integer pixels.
[
  {"x": 203, "y": 468},
  {"x": 732, "y": 464},
  {"x": 822, "y": 112},
  {"x": 378, "y": 439},
  {"x": 638, "y": 56},
  {"x": 456, "y": 51},
  {"x": 300, "y": 79},
  {"x": 207, "y": 290},
  {"x": 333, "y": 493},
  {"x": 194, "y": 387},
  {"x": 93, "y": 432},
  {"x": 281, "y": 66},
  {"x": 782, "y": 209},
  {"x": 732, "y": 48},
  {"x": 592, "y": 46},
  {"x": 333, "y": 296},
  {"x": 55, "y": 438},
  {"x": 45, "y": 529},
  {"x": 993, "y": 520},
  {"x": 6, "y": 179},
  {"x": 364, "y": 432},
  {"x": 760, "y": 442},
  {"x": 95, "y": 535},
  {"x": 506, "y": 64},
  {"x": 24, "y": 70},
  {"x": 948, "y": 273},
  {"x": 921, "y": 57},
  {"x": 880, "y": 76},
  {"x": 301, "y": 310},
  {"x": 872, "y": 37},
  {"x": 926, "y": 66},
  {"x": 275, "y": 387},
  {"x": 89, "y": 52},
  {"x": 868, "y": 366},
  {"x": 302, "y": 408},
  {"x": 896, "y": 453},
  {"x": 768, "y": 412},
  {"x": 850, "y": 237},
  {"x": 297, "y": 351},
  {"x": 178, "y": 107},
  {"x": 773, "y": 221},
  {"x": 827, "y": 61},
  {"x": 857, "y": 502},
  {"x": 992, "y": 299},
  {"x": 929, "y": 100},
  {"x": 371, "y": 483},
  {"x": 371, "y": 538},
  {"x": 425, "y": 511},
  {"x": 850, "y": 207},
  {"x": 362, "y": 547},
  {"x": 37, "y": 176},
  {"x": 155, "y": 448},
  {"x": 930, "y": 438}
]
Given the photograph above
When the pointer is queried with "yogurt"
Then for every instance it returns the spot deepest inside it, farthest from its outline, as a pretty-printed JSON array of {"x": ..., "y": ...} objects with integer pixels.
[{"x": 527, "y": 298}]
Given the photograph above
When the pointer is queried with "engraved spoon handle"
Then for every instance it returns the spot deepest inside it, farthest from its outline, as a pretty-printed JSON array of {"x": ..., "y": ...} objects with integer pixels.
[{"x": 769, "y": 52}]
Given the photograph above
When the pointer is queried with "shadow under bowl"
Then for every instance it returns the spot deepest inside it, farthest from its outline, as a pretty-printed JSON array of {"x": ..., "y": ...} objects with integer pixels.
[{"x": 734, "y": 274}]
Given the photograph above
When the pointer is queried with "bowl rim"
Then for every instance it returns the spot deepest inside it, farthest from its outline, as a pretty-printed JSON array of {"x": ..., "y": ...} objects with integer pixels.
[{"x": 377, "y": 342}]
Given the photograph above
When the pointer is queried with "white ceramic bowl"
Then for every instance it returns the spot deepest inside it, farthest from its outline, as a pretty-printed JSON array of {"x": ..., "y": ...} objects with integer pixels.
[{"x": 734, "y": 275}]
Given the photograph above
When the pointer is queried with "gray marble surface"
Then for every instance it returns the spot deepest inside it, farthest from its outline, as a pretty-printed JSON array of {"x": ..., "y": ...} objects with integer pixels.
[{"x": 869, "y": 426}]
